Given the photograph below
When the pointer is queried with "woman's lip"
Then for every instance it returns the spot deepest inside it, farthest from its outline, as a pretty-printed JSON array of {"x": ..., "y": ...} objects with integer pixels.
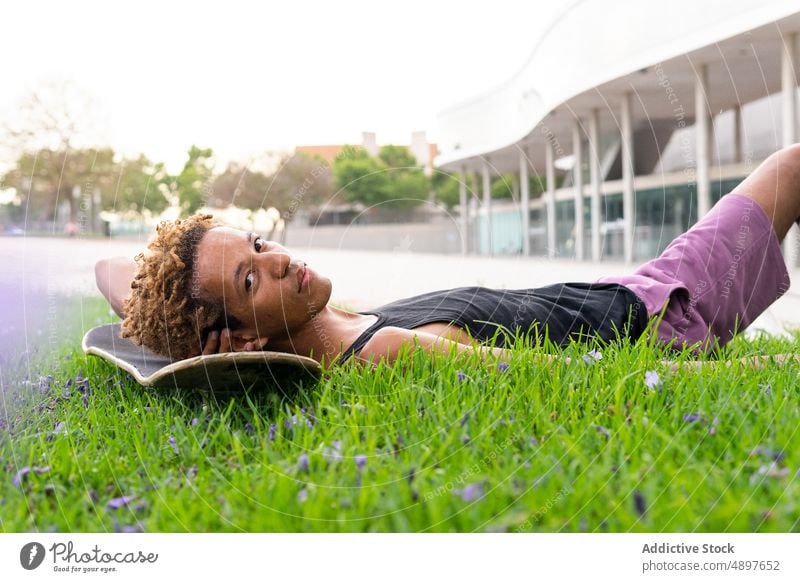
[{"x": 306, "y": 277}]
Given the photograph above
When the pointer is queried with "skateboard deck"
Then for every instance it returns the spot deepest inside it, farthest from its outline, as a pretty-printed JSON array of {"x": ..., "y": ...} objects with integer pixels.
[{"x": 226, "y": 371}]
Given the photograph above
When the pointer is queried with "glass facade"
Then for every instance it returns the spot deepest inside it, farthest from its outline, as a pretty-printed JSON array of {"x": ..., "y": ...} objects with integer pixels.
[{"x": 661, "y": 215}]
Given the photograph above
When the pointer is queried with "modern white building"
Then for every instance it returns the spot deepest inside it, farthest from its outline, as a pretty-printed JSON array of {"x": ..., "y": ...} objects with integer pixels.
[{"x": 638, "y": 115}]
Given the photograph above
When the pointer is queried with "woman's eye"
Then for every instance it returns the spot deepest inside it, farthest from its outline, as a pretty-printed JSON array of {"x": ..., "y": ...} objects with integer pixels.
[
  {"x": 248, "y": 282},
  {"x": 258, "y": 244}
]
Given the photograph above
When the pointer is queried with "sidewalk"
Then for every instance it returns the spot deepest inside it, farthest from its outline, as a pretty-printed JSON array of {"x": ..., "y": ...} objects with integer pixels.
[{"x": 361, "y": 279}]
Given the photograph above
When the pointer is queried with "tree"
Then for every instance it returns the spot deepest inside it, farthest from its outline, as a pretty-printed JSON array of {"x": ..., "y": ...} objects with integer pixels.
[
  {"x": 446, "y": 188},
  {"x": 239, "y": 186},
  {"x": 300, "y": 181},
  {"x": 58, "y": 115},
  {"x": 50, "y": 136},
  {"x": 193, "y": 185},
  {"x": 362, "y": 178},
  {"x": 503, "y": 187},
  {"x": 137, "y": 185},
  {"x": 397, "y": 157},
  {"x": 408, "y": 184},
  {"x": 45, "y": 179}
]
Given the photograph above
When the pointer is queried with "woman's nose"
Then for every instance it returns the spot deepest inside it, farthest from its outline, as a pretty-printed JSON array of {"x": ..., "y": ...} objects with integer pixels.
[{"x": 278, "y": 262}]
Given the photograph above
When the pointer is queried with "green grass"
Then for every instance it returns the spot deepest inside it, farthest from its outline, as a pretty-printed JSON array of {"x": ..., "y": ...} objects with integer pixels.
[{"x": 573, "y": 447}]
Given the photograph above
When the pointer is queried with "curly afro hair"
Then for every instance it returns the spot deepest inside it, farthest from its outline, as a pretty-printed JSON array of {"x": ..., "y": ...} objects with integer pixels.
[{"x": 165, "y": 311}]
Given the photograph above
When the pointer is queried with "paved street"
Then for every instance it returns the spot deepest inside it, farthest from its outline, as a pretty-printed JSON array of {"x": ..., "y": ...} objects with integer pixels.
[{"x": 39, "y": 269}]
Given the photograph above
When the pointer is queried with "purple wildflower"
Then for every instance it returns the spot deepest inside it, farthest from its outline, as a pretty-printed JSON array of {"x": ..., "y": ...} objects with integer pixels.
[
  {"x": 22, "y": 473},
  {"x": 691, "y": 417},
  {"x": 85, "y": 401},
  {"x": 248, "y": 428},
  {"x": 174, "y": 444},
  {"x": 302, "y": 495},
  {"x": 360, "y": 460},
  {"x": 302, "y": 463},
  {"x": 470, "y": 492},
  {"x": 120, "y": 502},
  {"x": 603, "y": 430},
  {"x": 713, "y": 429},
  {"x": 464, "y": 418},
  {"x": 273, "y": 428},
  {"x": 592, "y": 356},
  {"x": 461, "y": 376},
  {"x": 775, "y": 455},
  {"x": 56, "y": 431},
  {"x": 651, "y": 379},
  {"x": 194, "y": 422},
  {"x": 502, "y": 367},
  {"x": 19, "y": 476},
  {"x": 333, "y": 452},
  {"x": 533, "y": 441}
]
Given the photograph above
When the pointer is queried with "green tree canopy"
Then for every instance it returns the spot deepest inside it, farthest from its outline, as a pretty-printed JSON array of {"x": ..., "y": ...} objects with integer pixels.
[
  {"x": 392, "y": 180},
  {"x": 446, "y": 188},
  {"x": 397, "y": 157},
  {"x": 362, "y": 178},
  {"x": 47, "y": 178},
  {"x": 193, "y": 185}
]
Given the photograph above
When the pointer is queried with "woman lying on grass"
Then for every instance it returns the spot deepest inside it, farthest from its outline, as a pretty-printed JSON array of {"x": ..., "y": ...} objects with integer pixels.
[{"x": 204, "y": 289}]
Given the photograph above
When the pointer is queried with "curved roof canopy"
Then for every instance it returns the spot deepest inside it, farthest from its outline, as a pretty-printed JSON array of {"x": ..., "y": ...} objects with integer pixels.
[{"x": 594, "y": 52}]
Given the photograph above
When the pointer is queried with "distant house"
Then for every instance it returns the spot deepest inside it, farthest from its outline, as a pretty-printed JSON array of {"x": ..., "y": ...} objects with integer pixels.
[{"x": 423, "y": 151}]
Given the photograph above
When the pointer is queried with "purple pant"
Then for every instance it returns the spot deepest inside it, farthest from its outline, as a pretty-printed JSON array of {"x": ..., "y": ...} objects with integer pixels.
[{"x": 714, "y": 279}]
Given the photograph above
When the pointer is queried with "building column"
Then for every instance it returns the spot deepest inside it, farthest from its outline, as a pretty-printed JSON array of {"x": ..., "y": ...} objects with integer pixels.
[
  {"x": 474, "y": 211},
  {"x": 703, "y": 136},
  {"x": 550, "y": 177},
  {"x": 628, "y": 194},
  {"x": 577, "y": 179},
  {"x": 525, "y": 193},
  {"x": 594, "y": 175},
  {"x": 789, "y": 130},
  {"x": 463, "y": 204},
  {"x": 738, "y": 158},
  {"x": 487, "y": 205}
]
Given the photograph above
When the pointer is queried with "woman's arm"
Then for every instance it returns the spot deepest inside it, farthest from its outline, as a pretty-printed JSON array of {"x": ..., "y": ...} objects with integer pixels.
[
  {"x": 114, "y": 277},
  {"x": 388, "y": 341}
]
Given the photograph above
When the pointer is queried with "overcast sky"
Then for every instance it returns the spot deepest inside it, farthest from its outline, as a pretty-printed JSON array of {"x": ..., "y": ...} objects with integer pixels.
[{"x": 244, "y": 77}]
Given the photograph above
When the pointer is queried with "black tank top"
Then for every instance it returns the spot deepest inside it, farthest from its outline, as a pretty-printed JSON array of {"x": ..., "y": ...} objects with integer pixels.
[{"x": 564, "y": 311}]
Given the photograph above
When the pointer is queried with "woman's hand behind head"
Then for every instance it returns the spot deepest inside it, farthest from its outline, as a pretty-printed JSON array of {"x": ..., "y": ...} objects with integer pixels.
[{"x": 225, "y": 341}]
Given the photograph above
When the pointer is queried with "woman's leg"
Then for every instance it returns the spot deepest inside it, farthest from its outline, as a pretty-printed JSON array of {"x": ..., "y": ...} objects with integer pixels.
[
  {"x": 775, "y": 186},
  {"x": 715, "y": 279}
]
